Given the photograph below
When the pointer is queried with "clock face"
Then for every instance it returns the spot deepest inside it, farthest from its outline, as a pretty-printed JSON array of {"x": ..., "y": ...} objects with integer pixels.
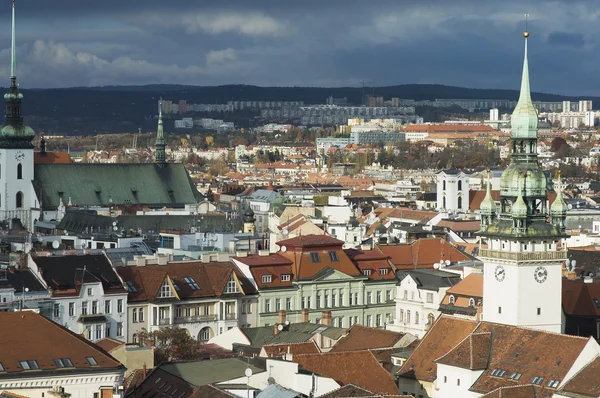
[
  {"x": 499, "y": 273},
  {"x": 540, "y": 274},
  {"x": 19, "y": 156}
]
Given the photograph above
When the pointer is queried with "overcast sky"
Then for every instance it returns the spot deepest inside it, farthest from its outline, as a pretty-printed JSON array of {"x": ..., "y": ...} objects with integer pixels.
[{"x": 467, "y": 43}]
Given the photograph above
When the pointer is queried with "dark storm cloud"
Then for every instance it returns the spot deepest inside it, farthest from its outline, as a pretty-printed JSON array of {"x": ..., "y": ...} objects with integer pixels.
[
  {"x": 566, "y": 39},
  {"x": 310, "y": 42}
]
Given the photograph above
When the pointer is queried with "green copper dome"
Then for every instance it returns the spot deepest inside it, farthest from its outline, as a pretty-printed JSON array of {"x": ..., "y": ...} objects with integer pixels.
[
  {"x": 519, "y": 208},
  {"x": 559, "y": 207},
  {"x": 530, "y": 176},
  {"x": 488, "y": 206}
]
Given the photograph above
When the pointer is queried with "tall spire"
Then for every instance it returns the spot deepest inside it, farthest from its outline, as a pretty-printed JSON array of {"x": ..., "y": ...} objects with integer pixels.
[
  {"x": 13, "y": 50},
  {"x": 524, "y": 121},
  {"x": 159, "y": 156},
  {"x": 14, "y": 134}
]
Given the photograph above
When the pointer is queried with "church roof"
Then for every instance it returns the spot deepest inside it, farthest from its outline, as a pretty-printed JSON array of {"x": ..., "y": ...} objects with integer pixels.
[
  {"x": 123, "y": 183},
  {"x": 52, "y": 157}
]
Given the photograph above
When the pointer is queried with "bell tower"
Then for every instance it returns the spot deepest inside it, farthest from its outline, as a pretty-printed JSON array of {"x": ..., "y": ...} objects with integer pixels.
[
  {"x": 525, "y": 251},
  {"x": 17, "y": 197}
]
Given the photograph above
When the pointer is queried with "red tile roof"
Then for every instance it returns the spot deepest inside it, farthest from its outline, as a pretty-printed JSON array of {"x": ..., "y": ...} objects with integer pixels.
[
  {"x": 52, "y": 158},
  {"x": 578, "y": 297},
  {"x": 303, "y": 266},
  {"x": 20, "y": 340},
  {"x": 350, "y": 390},
  {"x": 520, "y": 391},
  {"x": 363, "y": 338},
  {"x": 422, "y": 253},
  {"x": 449, "y": 128},
  {"x": 472, "y": 353},
  {"x": 279, "y": 350},
  {"x": 108, "y": 344},
  {"x": 585, "y": 383},
  {"x": 300, "y": 242},
  {"x": 342, "y": 367}
]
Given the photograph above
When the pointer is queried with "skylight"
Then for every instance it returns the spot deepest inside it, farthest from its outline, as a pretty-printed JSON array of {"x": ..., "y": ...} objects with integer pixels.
[
  {"x": 63, "y": 362},
  {"x": 192, "y": 283},
  {"x": 131, "y": 287},
  {"x": 515, "y": 376},
  {"x": 537, "y": 381},
  {"x": 553, "y": 383},
  {"x": 29, "y": 365},
  {"x": 91, "y": 361},
  {"x": 498, "y": 372}
]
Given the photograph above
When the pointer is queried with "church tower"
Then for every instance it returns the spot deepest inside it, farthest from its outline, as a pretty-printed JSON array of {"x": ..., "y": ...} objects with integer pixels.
[
  {"x": 159, "y": 155},
  {"x": 17, "y": 197},
  {"x": 522, "y": 282}
]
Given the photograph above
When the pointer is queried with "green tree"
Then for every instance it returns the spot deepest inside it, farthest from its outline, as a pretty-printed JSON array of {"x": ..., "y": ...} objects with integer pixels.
[{"x": 170, "y": 344}]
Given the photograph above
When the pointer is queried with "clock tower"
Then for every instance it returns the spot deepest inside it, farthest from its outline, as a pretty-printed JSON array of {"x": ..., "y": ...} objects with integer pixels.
[
  {"x": 17, "y": 198},
  {"x": 522, "y": 282}
]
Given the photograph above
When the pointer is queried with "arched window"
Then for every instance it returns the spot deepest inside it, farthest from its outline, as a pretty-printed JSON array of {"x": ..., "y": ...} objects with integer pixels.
[
  {"x": 408, "y": 316},
  {"x": 416, "y": 317},
  {"x": 205, "y": 334},
  {"x": 451, "y": 299},
  {"x": 19, "y": 200},
  {"x": 471, "y": 302},
  {"x": 430, "y": 319},
  {"x": 444, "y": 185},
  {"x": 444, "y": 202},
  {"x": 460, "y": 185},
  {"x": 459, "y": 202},
  {"x": 19, "y": 171}
]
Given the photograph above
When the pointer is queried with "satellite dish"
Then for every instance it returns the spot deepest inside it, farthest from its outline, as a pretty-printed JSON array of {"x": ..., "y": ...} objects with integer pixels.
[
  {"x": 436, "y": 266},
  {"x": 280, "y": 327},
  {"x": 114, "y": 223},
  {"x": 248, "y": 372},
  {"x": 283, "y": 249},
  {"x": 573, "y": 263},
  {"x": 287, "y": 323},
  {"x": 447, "y": 262},
  {"x": 26, "y": 289},
  {"x": 55, "y": 244},
  {"x": 284, "y": 232},
  {"x": 115, "y": 228}
]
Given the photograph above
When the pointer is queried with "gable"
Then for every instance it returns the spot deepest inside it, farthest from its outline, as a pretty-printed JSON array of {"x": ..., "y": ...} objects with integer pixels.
[{"x": 329, "y": 274}]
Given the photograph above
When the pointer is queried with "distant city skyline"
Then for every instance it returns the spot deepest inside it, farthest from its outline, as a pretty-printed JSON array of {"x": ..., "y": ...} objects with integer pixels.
[{"x": 310, "y": 43}]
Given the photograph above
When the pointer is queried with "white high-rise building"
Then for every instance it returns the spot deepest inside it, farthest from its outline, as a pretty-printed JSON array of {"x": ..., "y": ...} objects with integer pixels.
[
  {"x": 585, "y": 106},
  {"x": 494, "y": 115},
  {"x": 566, "y": 106},
  {"x": 522, "y": 283}
]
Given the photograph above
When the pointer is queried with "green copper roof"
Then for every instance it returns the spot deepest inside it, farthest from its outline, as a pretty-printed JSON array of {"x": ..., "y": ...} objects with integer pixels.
[
  {"x": 519, "y": 208},
  {"x": 159, "y": 156},
  {"x": 524, "y": 120},
  {"x": 488, "y": 206},
  {"x": 559, "y": 207},
  {"x": 124, "y": 183}
]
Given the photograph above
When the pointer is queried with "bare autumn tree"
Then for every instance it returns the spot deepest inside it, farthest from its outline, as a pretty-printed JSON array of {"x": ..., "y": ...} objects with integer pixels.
[{"x": 170, "y": 344}]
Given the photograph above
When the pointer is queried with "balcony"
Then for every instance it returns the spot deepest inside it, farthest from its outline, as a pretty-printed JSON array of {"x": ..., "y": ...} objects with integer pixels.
[
  {"x": 194, "y": 319},
  {"x": 164, "y": 322},
  {"x": 230, "y": 317},
  {"x": 523, "y": 256}
]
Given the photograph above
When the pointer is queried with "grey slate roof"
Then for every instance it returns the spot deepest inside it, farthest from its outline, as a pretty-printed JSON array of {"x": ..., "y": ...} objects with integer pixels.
[
  {"x": 431, "y": 279},
  {"x": 94, "y": 184},
  {"x": 295, "y": 333},
  {"x": 201, "y": 373},
  {"x": 264, "y": 195},
  {"x": 277, "y": 391}
]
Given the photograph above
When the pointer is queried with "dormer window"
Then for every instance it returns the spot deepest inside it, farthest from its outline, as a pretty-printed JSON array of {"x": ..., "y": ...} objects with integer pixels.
[
  {"x": 285, "y": 278},
  {"x": 451, "y": 299},
  {"x": 498, "y": 372},
  {"x": 471, "y": 302},
  {"x": 266, "y": 279},
  {"x": 314, "y": 256},
  {"x": 537, "y": 381},
  {"x": 165, "y": 290},
  {"x": 383, "y": 271},
  {"x": 367, "y": 272},
  {"x": 29, "y": 365},
  {"x": 553, "y": 383},
  {"x": 515, "y": 376},
  {"x": 232, "y": 286},
  {"x": 333, "y": 256}
]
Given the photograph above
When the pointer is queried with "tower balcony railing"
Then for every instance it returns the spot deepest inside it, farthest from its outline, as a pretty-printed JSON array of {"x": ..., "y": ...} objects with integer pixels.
[{"x": 523, "y": 256}]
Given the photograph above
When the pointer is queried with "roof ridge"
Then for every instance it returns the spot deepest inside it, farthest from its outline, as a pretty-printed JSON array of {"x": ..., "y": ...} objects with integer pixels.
[
  {"x": 534, "y": 330},
  {"x": 580, "y": 370}
]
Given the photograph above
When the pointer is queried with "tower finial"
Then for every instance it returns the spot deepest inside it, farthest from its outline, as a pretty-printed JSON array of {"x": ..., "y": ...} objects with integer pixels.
[
  {"x": 159, "y": 156},
  {"x": 526, "y": 33},
  {"x": 13, "y": 49}
]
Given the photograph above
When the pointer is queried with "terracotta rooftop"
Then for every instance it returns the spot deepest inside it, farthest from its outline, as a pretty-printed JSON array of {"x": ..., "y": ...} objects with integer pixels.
[
  {"x": 471, "y": 286},
  {"x": 342, "y": 367},
  {"x": 310, "y": 241},
  {"x": 350, "y": 390},
  {"x": 52, "y": 157},
  {"x": 108, "y": 344},
  {"x": 422, "y": 253},
  {"x": 363, "y": 338},
  {"x": 580, "y": 298},
  {"x": 586, "y": 383},
  {"x": 518, "y": 391},
  {"x": 20, "y": 340}
]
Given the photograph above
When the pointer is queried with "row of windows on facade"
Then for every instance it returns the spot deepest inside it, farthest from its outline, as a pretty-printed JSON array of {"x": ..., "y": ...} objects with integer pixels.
[
  {"x": 458, "y": 202},
  {"x": 405, "y": 317},
  {"x": 94, "y": 332},
  {"x": 353, "y": 320},
  {"x": 323, "y": 301},
  {"x": 429, "y": 298},
  {"x": 287, "y": 277},
  {"x": 85, "y": 308},
  {"x": 459, "y": 185}
]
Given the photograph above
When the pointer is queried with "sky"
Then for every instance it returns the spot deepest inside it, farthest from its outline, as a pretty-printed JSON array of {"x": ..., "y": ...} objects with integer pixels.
[{"x": 325, "y": 43}]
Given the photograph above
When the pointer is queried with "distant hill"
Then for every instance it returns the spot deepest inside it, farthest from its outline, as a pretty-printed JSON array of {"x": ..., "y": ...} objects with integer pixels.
[{"x": 112, "y": 109}]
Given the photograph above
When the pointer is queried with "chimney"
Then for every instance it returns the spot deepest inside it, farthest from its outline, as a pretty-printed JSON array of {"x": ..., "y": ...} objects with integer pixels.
[
  {"x": 276, "y": 329},
  {"x": 326, "y": 318},
  {"x": 144, "y": 371},
  {"x": 281, "y": 318},
  {"x": 571, "y": 275},
  {"x": 304, "y": 317}
]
